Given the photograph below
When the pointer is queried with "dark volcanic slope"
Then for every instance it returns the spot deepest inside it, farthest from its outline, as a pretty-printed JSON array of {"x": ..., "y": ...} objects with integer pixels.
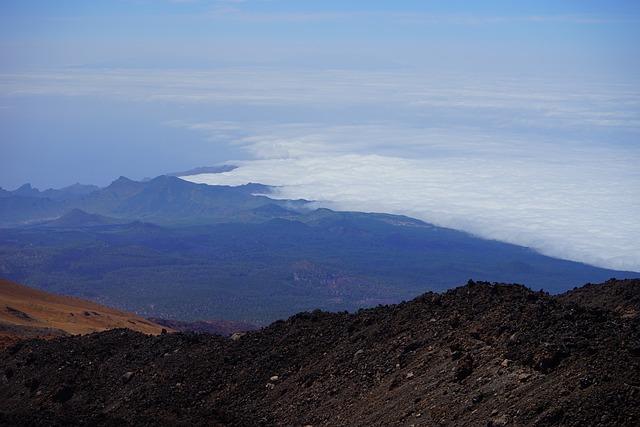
[
  {"x": 482, "y": 354},
  {"x": 212, "y": 326},
  {"x": 619, "y": 295}
]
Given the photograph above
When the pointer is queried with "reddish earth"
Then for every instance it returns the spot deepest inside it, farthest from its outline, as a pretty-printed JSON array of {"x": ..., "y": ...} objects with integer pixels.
[
  {"x": 28, "y": 312},
  {"x": 479, "y": 355}
]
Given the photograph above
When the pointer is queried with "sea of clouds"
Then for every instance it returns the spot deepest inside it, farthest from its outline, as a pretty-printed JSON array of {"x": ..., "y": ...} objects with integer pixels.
[
  {"x": 548, "y": 163},
  {"x": 573, "y": 205}
]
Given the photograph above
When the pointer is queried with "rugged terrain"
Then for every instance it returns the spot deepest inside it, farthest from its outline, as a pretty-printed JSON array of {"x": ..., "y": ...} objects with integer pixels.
[
  {"x": 481, "y": 354},
  {"x": 168, "y": 248},
  {"x": 210, "y": 326}
]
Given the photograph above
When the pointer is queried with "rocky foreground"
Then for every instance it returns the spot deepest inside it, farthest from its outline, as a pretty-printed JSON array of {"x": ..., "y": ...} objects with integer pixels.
[{"x": 479, "y": 355}]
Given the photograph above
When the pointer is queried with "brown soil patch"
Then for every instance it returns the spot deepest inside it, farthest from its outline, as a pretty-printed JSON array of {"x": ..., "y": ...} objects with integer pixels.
[{"x": 24, "y": 306}]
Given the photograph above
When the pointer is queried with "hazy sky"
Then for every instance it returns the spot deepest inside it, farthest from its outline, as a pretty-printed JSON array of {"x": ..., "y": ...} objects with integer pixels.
[{"x": 514, "y": 120}]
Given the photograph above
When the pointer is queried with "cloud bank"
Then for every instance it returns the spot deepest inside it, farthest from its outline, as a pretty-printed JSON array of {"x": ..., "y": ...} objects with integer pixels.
[
  {"x": 553, "y": 170},
  {"x": 549, "y": 163},
  {"x": 513, "y": 121},
  {"x": 564, "y": 211}
]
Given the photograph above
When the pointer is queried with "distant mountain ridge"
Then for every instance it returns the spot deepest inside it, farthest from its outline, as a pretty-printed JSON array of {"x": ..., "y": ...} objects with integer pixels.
[
  {"x": 169, "y": 248},
  {"x": 66, "y": 193},
  {"x": 162, "y": 199}
]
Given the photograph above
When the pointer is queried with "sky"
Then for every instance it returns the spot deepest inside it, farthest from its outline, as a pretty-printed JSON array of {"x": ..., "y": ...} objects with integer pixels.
[{"x": 511, "y": 120}]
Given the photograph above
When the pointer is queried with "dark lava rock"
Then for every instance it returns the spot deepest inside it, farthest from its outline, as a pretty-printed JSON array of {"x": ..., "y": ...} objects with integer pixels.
[
  {"x": 214, "y": 326},
  {"x": 482, "y": 354},
  {"x": 619, "y": 295}
]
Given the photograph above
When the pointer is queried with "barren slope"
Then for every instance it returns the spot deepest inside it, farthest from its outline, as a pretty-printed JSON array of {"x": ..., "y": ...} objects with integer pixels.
[
  {"x": 27, "y": 307},
  {"x": 482, "y": 354},
  {"x": 622, "y": 296}
]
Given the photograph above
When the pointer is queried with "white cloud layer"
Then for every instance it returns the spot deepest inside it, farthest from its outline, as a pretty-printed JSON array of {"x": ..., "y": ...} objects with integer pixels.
[
  {"x": 549, "y": 163},
  {"x": 562, "y": 210},
  {"x": 514, "y": 122}
]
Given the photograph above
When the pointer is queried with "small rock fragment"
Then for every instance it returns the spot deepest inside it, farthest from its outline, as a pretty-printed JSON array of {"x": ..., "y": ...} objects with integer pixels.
[
  {"x": 500, "y": 421},
  {"x": 237, "y": 335},
  {"x": 127, "y": 376},
  {"x": 524, "y": 377}
]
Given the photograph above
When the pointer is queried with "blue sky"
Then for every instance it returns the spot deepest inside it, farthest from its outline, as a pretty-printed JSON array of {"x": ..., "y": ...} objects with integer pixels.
[
  {"x": 513, "y": 120},
  {"x": 511, "y": 34}
]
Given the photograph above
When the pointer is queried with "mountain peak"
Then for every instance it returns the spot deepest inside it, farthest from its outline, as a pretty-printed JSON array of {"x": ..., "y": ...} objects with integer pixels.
[
  {"x": 124, "y": 183},
  {"x": 26, "y": 190},
  {"x": 122, "y": 180}
]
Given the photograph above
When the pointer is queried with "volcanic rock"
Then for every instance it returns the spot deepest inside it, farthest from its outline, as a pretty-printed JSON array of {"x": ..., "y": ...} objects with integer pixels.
[{"x": 436, "y": 360}]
